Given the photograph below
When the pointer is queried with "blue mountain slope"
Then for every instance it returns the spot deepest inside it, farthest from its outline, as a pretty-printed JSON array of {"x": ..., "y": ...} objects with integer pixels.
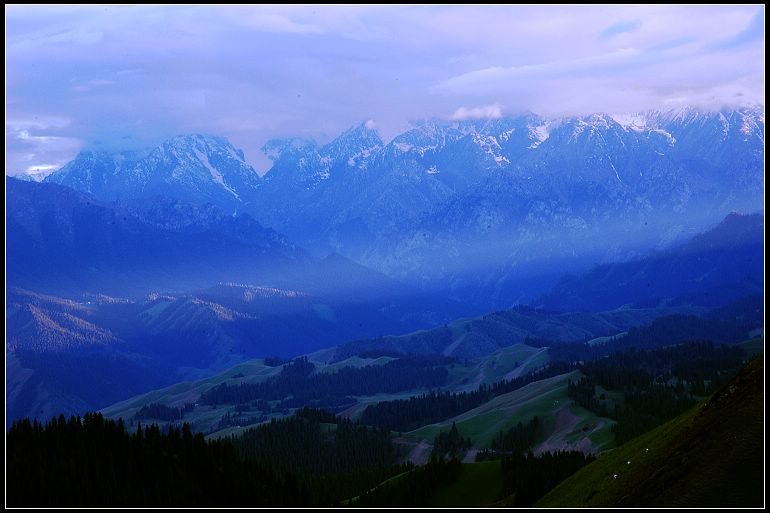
[{"x": 711, "y": 269}]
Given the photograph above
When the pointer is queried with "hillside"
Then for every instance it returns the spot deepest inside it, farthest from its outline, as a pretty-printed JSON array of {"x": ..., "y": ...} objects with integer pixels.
[
  {"x": 710, "y": 456},
  {"x": 62, "y": 241},
  {"x": 713, "y": 268},
  {"x": 511, "y": 361},
  {"x": 566, "y": 426},
  {"x": 482, "y": 335},
  {"x": 132, "y": 346}
]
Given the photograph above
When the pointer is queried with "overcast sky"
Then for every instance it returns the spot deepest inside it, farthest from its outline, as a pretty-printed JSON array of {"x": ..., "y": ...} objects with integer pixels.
[{"x": 122, "y": 77}]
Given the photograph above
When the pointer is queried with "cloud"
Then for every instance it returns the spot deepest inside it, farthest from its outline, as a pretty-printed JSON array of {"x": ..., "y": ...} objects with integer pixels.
[
  {"x": 92, "y": 84},
  {"x": 31, "y": 149},
  {"x": 252, "y": 73},
  {"x": 495, "y": 78},
  {"x": 370, "y": 124},
  {"x": 486, "y": 112},
  {"x": 754, "y": 31},
  {"x": 278, "y": 23},
  {"x": 621, "y": 28}
]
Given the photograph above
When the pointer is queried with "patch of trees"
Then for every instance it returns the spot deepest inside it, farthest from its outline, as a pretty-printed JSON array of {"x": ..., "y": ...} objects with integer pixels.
[
  {"x": 91, "y": 461},
  {"x": 665, "y": 331},
  {"x": 526, "y": 478},
  {"x": 335, "y": 458},
  {"x": 314, "y": 442},
  {"x": 230, "y": 420},
  {"x": 428, "y": 408},
  {"x": 415, "y": 489},
  {"x": 519, "y": 439},
  {"x": 274, "y": 361},
  {"x": 156, "y": 411},
  {"x": 450, "y": 443},
  {"x": 94, "y": 462},
  {"x": 656, "y": 385},
  {"x": 297, "y": 384}
]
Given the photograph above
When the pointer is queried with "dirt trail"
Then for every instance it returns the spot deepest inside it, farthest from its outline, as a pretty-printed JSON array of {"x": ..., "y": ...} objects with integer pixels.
[
  {"x": 515, "y": 373},
  {"x": 420, "y": 453},
  {"x": 470, "y": 456},
  {"x": 448, "y": 350},
  {"x": 566, "y": 422}
]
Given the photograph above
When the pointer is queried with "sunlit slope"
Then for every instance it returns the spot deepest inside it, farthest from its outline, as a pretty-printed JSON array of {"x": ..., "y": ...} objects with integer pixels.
[{"x": 711, "y": 455}]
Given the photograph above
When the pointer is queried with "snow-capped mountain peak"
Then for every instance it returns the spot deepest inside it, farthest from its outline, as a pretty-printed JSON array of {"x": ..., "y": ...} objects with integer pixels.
[
  {"x": 196, "y": 167},
  {"x": 354, "y": 146}
]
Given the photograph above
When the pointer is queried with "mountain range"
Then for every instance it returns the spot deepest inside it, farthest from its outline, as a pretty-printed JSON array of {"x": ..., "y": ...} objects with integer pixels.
[{"x": 474, "y": 206}]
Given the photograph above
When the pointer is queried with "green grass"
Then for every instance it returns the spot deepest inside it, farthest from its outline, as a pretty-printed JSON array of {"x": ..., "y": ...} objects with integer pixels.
[
  {"x": 354, "y": 361},
  {"x": 495, "y": 366},
  {"x": 189, "y": 391},
  {"x": 604, "y": 340},
  {"x": 598, "y": 432},
  {"x": 479, "y": 484},
  {"x": 711, "y": 455},
  {"x": 542, "y": 398}
]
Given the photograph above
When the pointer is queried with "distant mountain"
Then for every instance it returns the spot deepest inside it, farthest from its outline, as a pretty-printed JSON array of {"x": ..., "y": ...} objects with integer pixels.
[
  {"x": 485, "y": 334},
  {"x": 28, "y": 177},
  {"x": 41, "y": 323},
  {"x": 74, "y": 355},
  {"x": 63, "y": 241},
  {"x": 482, "y": 207},
  {"x": 711, "y": 269},
  {"x": 63, "y": 358},
  {"x": 192, "y": 168}
]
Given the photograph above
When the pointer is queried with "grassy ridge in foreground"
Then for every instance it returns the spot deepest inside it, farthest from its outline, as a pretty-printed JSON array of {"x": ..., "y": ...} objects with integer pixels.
[{"x": 710, "y": 456}]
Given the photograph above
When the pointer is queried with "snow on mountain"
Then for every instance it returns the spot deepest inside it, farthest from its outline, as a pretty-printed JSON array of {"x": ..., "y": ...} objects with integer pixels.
[
  {"x": 354, "y": 147},
  {"x": 196, "y": 168},
  {"x": 30, "y": 177}
]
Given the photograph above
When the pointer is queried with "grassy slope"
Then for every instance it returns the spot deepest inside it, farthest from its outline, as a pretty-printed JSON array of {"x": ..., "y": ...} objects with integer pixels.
[
  {"x": 479, "y": 336},
  {"x": 463, "y": 375},
  {"x": 564, "y": 420},
  {"x": 479, "y": 484},
  {"x": 711, "y": 455}
]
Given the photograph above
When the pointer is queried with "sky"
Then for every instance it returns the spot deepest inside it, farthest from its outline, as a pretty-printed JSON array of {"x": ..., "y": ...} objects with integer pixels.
[{"x": 128, "y": 77}]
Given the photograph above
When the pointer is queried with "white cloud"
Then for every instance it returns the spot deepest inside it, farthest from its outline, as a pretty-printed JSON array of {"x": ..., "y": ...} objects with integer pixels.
[
  {"x": 32, "y": 147},
  {"x": 270, "y": 22},
  {"x": 494, "y": 78},
  {"x": 486, "y": 112}
]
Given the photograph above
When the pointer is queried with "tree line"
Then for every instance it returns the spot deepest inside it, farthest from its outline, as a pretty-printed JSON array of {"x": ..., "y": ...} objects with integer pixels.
[
  {"x": 655, "y": 385},
  {"x": 297, "y": 385},
  {"x": 665, "y": 331},
  {"x": 91, "y": 461},
  {"x": 431, "y": 407},
  {"x": 450, "y": 443}
]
